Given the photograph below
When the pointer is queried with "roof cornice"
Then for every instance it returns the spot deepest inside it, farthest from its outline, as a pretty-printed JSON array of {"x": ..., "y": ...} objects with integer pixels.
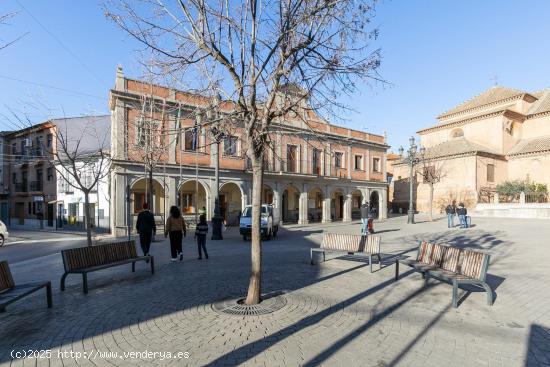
[
  {"x": 504, "y": 112},
  {"x": 133, "y": 96},
  {"x": 500, "y": 101}
]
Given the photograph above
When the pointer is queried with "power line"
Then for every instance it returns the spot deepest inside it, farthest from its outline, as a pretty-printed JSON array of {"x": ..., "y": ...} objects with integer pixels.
[
  {"x": 52, "y": 87},
  {"x": 78, "y": 59}
]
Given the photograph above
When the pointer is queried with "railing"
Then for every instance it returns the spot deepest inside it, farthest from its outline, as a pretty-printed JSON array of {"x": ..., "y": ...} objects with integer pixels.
[
  {"x": 30, "y": 154},
  {"x": 36, "y": 186},
  {"x": 536, "y": 198},
  {"x": 21, "y": 187}
]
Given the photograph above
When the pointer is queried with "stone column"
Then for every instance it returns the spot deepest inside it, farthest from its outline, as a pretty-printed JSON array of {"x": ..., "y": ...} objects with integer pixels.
[
  {"x": 382, "y": 204},
  {"x": 170, "y": 193},
  {"x": 347, "y": 208},
  {"x": 119, "y": 205},
  {"x": 302, "y": 211},
  {"x": 326, "y": 210},
  {"x": 277, "y": 203}
]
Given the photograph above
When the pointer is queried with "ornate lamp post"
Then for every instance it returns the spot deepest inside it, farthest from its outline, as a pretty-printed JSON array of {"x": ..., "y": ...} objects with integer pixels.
[{"x": 411, "y": 159}]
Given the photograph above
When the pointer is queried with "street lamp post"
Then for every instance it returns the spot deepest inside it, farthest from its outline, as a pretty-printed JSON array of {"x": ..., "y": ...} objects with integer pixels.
[
  {"x": 217, "y": 135},
  {"x": 411, "y": 160}
]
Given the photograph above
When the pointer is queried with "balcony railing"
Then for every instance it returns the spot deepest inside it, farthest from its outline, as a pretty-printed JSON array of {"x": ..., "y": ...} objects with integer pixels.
[
  {"x": 21, "y": 187},
  {"x": 36, "y": 186}
]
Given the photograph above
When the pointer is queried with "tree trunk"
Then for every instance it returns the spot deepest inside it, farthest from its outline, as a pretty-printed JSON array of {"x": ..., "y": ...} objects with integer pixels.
[
  {"x": 431, "y": 201},
  {"x": 87, "y": 217},
  {"x": 254, "y": 287}
]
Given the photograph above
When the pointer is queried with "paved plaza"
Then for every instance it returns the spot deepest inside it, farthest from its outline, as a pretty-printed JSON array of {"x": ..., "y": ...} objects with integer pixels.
[{"x": 336, "y": 313}]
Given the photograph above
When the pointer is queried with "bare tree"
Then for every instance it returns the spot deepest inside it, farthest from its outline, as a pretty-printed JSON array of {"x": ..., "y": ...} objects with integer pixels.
[
  {"x": 266, "y": 59},
  {"x": 432, "y": 172},
  {"x": 82, "y": 160}
]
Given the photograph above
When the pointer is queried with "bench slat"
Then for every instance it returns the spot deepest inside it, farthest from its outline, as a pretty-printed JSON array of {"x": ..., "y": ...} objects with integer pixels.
[
  {"x": 451, "y": 259},
  {"x": 351, "y": 243},
  {"x": 473, "y": 263},
  {"x": 89, "y": 257},
  {"x": 437, "y": 255},
  {"x": 424, "y": 251}
]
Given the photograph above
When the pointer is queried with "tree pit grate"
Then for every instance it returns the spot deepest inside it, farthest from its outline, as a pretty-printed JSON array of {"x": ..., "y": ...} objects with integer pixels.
[{"x": 271, "y": 302}]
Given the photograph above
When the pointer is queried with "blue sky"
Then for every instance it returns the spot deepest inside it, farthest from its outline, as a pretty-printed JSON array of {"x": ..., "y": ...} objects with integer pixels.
[{"x": 436, "y": 54}]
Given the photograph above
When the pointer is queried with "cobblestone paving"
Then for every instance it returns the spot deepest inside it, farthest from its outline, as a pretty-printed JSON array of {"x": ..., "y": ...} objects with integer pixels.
[{"x": 337, "y": 313}]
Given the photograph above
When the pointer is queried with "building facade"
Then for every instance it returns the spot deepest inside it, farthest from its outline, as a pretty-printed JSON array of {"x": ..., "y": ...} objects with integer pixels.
[
  {"x": 30, "y": 181},
  {"x": 501, "y": 134},
  {"x": 34, "y": 195},
  {"x": 314, "y": 171}
]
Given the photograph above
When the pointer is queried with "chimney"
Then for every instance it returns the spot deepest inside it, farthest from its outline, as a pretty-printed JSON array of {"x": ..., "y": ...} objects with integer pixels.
[{"x": 119, "y": 81}]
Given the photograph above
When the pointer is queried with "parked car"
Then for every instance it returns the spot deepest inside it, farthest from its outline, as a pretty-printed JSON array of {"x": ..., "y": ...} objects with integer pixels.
[
  {"x": 269, "y": 222},
  {"x": 4, "y": 234}
]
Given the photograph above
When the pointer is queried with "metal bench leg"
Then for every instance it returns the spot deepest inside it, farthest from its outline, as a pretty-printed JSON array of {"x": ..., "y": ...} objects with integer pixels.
[
  {"x": 49, "y": 294},
  {"x": 426, "y": 277},
  {"x": 311, "y": 256},
  {"x": 370, "y": 263},
  {"x": 396, "y": 269},
  {"x": 489, "y": 292},
  {"x": 455, "y": 294},
  {"x": 152, "y": 265},
  {"x": 324, "y": 258},
  {"x": 85, "y": 282},
  {"x": 379, "y": 261},
  {"x": 63, "y": 277},
  {"x": 133, "y": 267}
]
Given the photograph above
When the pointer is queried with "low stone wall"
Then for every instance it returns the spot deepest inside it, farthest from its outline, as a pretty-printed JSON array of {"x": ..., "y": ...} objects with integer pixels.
[{"x": 513, "y": 210}]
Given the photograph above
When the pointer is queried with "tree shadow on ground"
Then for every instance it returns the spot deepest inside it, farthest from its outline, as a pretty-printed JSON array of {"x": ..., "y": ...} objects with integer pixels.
[{"x": 120, "y": 300}]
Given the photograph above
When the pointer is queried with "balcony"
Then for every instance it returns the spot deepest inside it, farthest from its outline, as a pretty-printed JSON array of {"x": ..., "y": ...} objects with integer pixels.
[
  {"x": 36, "y": 186},
  {"x": 21, "y": 187}
]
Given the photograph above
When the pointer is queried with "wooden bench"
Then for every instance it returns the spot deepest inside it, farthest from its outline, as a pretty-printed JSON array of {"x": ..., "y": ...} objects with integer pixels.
[
  {"x": 351, "y": 244},
  {"x": 9, "y": 292},
  {"x": 450, "y": 264},
  {"x": 84, "y": 260}
]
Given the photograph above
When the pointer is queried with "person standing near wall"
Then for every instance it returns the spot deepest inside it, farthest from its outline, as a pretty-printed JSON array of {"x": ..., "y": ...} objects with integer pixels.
[
  {"x": 176, "y": 229},
  {"x": 200, "y": 236},
  {"x": 451, "y": 211},
  {"x": 145, "y": 226},
  {"x": 364, "y": 217}
]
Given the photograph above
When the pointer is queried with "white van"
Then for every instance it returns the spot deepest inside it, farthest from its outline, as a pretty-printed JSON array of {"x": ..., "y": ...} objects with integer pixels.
[{"x": 269, "y": 222}]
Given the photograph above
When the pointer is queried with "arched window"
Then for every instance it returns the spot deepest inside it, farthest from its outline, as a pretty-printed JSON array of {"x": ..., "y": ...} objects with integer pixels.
[{"x": 457, "y": 133}]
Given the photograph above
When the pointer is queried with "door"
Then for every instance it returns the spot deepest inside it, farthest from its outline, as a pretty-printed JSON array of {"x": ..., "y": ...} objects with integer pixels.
[
  {"x": 341, "y": 207},
  {"x": 50, "y": 215},
  {"x": 60, "y": 216},
  {"x": 20, "y": 213}
]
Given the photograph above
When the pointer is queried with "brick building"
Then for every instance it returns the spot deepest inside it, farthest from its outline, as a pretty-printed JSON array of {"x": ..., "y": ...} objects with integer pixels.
[
  {"x": 315, "y": 172},
  {"x": 29, "y": 180}
]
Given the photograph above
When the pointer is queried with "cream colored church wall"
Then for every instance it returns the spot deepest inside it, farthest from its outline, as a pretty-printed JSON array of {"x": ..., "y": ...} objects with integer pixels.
[
  {"x": 500, "y": 172},
  {"x": 488, "y": 132},
  {"x": 534, "y": 167},
  {"x": 536, "y": 127},
  {"x": 458, "y": 183}
]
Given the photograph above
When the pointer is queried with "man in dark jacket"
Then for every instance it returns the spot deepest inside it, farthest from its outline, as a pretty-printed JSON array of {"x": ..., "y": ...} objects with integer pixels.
[
  {"x": 364, "y": 217},
  {"x": 462, "y": 212},
  {"x": 451, "y": 211},
  {"x": 146, "y": 226}
]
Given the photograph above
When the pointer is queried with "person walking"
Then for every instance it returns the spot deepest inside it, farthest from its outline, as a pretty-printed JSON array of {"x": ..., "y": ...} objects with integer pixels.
[
  {"x": 176, "y": 229},
  {"x": 451, "y": 211},
  {"x": 364, "y": 217},
  {"x": 461, "y": 211},
  {"x": 200, "y": 236},
  {"x": 145, "y": 226}
]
